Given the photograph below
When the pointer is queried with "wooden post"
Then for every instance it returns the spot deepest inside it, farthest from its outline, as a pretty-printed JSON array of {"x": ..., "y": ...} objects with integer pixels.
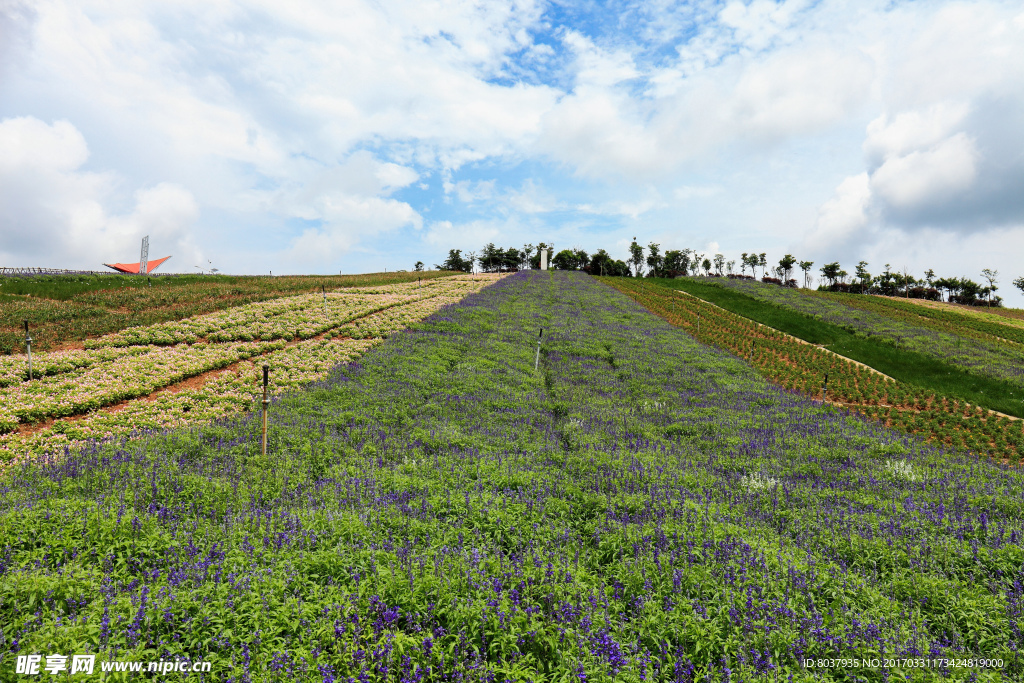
[
  {"x": 824, "y": 388},
  {"x": 266, "y": 403},
  {"x": 28, "y": 348},
  {"x": 536, "y": 360}
]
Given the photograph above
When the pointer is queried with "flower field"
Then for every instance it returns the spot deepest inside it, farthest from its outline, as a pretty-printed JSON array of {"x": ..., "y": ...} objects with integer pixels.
[
  {"x": 802, "y": 367},
  {"x": 64, "y": 309},
  {"x": 14, "y": 369},
  {"x": 103, "y": 383},
  {"x": 129, "y": 364},
  {"x": 298, "y": 317},
  {"x": 968, "y": 342},
  {"x": 641, "y": 508}
]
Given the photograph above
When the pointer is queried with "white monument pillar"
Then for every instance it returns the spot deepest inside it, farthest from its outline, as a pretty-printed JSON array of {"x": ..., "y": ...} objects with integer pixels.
[{"x": 543, "y": 259}]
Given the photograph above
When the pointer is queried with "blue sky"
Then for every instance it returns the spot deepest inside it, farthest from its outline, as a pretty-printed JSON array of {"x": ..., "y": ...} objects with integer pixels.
[{"x": 310, "y": 137}]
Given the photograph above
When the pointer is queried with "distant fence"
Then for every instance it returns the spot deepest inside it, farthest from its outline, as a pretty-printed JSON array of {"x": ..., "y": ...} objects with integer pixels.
[{"x": 48, "y": 271}]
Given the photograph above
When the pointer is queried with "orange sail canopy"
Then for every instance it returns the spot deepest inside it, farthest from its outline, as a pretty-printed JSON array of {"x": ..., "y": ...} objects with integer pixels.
[{"x": 134, "y": 267}]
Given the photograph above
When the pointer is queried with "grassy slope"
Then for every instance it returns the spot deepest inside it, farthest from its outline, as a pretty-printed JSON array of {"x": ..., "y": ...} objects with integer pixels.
[
  {"x": 967, "y": 324},
  {"x": 617, "y": 510},
  {"x": 906, "y": 366}
]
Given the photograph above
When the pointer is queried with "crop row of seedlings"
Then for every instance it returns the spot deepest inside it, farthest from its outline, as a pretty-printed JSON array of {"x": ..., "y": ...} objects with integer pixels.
[
  {"x": 974, "y": 324},
  {"x": 297, "y": 317},
  {"x": 802, "y": 368},
  {"x": 224, "y": 395},
  {"x": 130, "y": 376},
  {"x": 79, "y": 382},
  {"x": 63, "y": 309},
  {"x": 969, "y": 349},
  {"x": 642, "y": 507}
]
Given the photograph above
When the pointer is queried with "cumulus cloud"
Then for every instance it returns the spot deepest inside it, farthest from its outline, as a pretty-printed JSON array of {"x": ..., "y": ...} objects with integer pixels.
[
  {"x": 602, "y": 130},
  {"x": 944, "y": 153},
  {"x": 469, "y": 235},
  {"x": 923, "y": 177},
  {"x": 909, "y": 131},
  {"x": 685, "y": 192},
  {"x": 325, "y": 126},
  {"x": 54, "y": 213},
  {"x": 844, "y": 217},
  {"x": 469, "y": 192},
  {"x": 757, "y": 24},
  {"x": 346, "y": 221},
  {"x": 596, "y": 67},
  {"x": 349, "y": 202}
]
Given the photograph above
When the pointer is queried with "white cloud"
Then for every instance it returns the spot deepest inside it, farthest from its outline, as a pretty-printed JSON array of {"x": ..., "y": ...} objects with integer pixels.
[
  {"x": 602, "y": 130},
  {"x": 757, "y": 24},
  {"x": 596, "y": 67},
  {"x": 845, "y": 216},
  {"x": 52, "y": 212},
  {"x": 347, "y": 221},
  {"x": 912, "y": 130},
  {"x": 842, "y": 122},
  {"x": 467, "y": 236},
  {"x": 28, "y": 144},
  {"x": 932, "y": 175},
  {"x": 469, "y": 192},
  {"x": 533, "y": 198},
  {"x": 686, "y": 192},
  {"x": 943, "y": 155},
  {"x": 627, "y": 208}
]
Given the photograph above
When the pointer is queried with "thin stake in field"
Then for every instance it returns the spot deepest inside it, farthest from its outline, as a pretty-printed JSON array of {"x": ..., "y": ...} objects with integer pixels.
[
  {"x": 536, "y": 360},
  {"x": 28, "y": 348},
  {"x": 824, "y": 388},
  {"x": 266, "y": 403}
]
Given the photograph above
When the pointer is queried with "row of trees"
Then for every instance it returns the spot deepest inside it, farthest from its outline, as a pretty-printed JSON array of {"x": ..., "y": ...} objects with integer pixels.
[
  {"x": 683, "y": 262},
  {"x": 889, "y": 283},
  {"x": 492, "y": 259},
  {"x": 894, "y": 283}
]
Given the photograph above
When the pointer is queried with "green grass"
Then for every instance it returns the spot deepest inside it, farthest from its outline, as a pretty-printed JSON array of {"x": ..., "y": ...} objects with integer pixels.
[
  {"x": 906, "y": 366},
  {"x": 65, "y": 287}
]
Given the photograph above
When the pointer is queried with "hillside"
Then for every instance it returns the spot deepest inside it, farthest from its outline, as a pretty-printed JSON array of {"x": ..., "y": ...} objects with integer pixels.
[
  {"x": 887, "y": 343},
  {"x": 642, "y": 507}
]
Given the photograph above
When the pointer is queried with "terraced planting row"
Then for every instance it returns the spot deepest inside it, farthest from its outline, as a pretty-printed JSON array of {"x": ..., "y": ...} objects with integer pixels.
[
  {"x": 802, "y": 367},
  {"x": 128, "y": 364},
  {"x": 978, "y": 324},
  {"x": 298, "y": 317},
  {"x": 643, "y": 507},
  {"x": 63, "y": 309},
  {"x": 987, "y": 349}
]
